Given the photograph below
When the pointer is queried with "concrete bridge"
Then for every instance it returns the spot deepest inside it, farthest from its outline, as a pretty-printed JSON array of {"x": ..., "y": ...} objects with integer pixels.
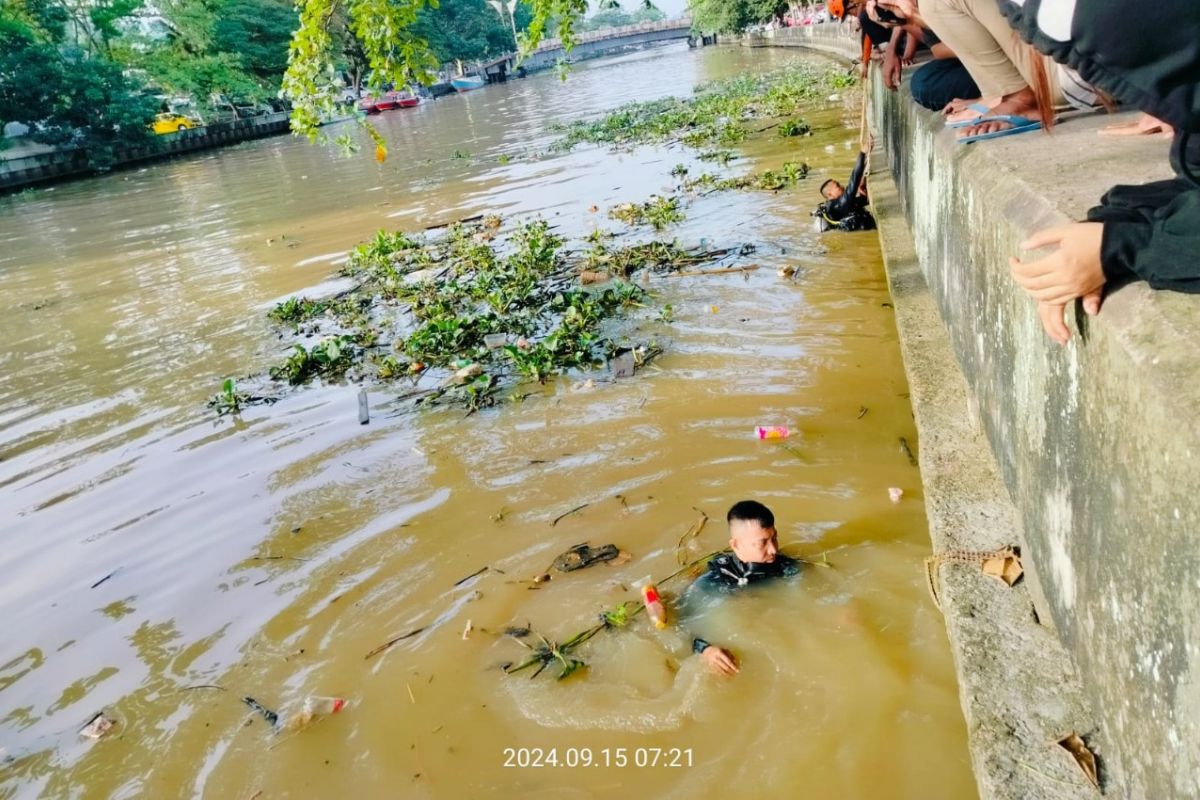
[{"x": 590, "y": 45}]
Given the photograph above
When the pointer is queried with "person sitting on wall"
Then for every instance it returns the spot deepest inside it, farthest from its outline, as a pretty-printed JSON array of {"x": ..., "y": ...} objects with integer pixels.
[
  {"x": 937, "y": 83},
  {"x": 845, "y": 207},
  {"x": 753, "y": 557},
  {"x": 1147, "y": 232}
]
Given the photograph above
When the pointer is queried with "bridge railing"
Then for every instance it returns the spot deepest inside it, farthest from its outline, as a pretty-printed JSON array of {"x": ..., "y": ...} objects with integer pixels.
[
  {"x": 682, "y": 23},
  {"x": 550, "y": 45}
]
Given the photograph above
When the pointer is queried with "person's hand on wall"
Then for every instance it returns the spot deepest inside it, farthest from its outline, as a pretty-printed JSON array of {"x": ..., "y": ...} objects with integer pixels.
[
  {"x": 1144, "y": 125},
  {"x": 1072, "y": 271}
]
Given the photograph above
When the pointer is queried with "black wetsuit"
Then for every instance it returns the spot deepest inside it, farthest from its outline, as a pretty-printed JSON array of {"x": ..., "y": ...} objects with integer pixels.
[
  {"x": 848, "y": 212},
  {"x": 728, "y": 573}
]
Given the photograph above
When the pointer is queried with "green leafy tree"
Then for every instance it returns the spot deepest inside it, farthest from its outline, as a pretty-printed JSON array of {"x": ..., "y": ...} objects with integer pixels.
[
  {"x": 393, "y": 49},
  {"x": 259, "y": 32},
  {"x": 464, "y": 29},
  {"x": 218, "y": 48},
  {"x": 69, "y": 97},
  {"x": 733, "y": 16},
  {"x": 617, "y": 17}
]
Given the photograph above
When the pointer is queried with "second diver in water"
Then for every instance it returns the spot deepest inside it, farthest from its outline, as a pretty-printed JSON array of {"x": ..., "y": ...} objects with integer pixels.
[{"x": 845, "y": 207}]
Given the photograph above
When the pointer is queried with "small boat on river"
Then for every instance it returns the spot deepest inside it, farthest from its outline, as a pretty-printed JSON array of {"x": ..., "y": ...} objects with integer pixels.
[
  {"x": 389, "y": 101},
  {"x": 467, "y": 82}
]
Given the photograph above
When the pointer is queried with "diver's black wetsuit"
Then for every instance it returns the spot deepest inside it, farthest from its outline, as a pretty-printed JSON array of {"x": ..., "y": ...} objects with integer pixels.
[
  {"x": 728, "y": 573},
  {"x": 848, "y": 212}
]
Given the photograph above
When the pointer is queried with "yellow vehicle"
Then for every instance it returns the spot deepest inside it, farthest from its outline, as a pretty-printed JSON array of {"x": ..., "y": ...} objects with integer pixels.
[{"x": 171, "y": 122}]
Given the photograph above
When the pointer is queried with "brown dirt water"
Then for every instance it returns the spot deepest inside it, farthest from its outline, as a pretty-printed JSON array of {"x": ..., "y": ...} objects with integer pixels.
[{"x": 269, "y": 555}]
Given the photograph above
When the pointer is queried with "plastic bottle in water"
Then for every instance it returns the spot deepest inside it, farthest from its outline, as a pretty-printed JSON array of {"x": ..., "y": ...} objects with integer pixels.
[
  {"x": 654, "y": 606},
  {"x": 312, "y": 709}
]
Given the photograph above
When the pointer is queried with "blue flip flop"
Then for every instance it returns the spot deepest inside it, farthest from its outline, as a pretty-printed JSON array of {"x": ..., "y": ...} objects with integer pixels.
[
  {"x": 966, "y": 123},
  {"x": 1019, "y": 125}
]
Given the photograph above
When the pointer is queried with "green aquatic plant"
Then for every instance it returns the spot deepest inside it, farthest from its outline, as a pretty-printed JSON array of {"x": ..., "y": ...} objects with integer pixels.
[
  {"x": 722, "y": 157},
  {"x": 229, "y": 400},
  {"x": 657, "y": 212},
  {"x": 550, "y": 653},
  {"x": 475, "y": 308},
  {"x": 714, "y": 117},
  {"x": 297, "y": 309},
  {"x": 788, "y": 174},
  {"x": 378, "y": 253},
  {"x": 793, "y": 127},
  {"x": 330, "y": 357}
]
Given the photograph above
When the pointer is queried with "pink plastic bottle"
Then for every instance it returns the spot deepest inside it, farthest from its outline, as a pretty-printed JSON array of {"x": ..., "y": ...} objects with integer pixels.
[{"x": 654, "y": 607}]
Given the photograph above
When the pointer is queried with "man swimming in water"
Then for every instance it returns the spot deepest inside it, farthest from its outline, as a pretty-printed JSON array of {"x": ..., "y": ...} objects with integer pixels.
[
  {"x": 845, "y": 207},
  {"x": 754, "y": 557}
]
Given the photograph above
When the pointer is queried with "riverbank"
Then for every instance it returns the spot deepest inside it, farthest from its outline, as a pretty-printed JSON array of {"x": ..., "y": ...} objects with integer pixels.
[
  {"x": 1093, "y": 444},
  {"x": 40, "y": 165}
]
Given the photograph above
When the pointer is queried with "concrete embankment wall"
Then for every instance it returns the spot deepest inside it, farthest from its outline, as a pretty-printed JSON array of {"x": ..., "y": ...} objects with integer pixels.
[
  {"x": 1096, "y": 444},
  {"x": 38, "y": 167}
]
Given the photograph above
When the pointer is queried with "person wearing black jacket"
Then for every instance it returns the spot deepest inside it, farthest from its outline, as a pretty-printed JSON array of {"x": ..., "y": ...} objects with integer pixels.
[
  {"x": 753, "y": 557},
  {"x": 845, "y": 207},
  {"x": 1149, "y": 232}
]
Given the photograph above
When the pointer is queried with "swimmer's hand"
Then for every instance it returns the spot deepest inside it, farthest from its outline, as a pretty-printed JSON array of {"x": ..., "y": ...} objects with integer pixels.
[{"x": 719, "y": 660}]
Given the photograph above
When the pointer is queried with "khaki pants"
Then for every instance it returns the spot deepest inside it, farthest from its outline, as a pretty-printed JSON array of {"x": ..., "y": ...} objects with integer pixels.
[{"x": 999, "y": 62}]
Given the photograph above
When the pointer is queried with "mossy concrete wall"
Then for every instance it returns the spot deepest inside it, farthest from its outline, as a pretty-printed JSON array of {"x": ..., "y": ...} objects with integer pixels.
[{"x": 1098, "y": 442}]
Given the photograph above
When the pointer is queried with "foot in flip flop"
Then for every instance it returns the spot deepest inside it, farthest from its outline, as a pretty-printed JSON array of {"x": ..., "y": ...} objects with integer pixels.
[
  {"x": 964, "y": 112},
  {"x": 969, "y": 116},
  {"x": 1012, "y": 126},
  {"x": 1017, "y": 113}
]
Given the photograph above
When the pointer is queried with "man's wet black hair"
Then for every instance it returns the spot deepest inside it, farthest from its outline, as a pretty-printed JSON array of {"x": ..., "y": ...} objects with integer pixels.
[
  {"x": 751, "y": 511},
  {"x": 826, "y": 183}
]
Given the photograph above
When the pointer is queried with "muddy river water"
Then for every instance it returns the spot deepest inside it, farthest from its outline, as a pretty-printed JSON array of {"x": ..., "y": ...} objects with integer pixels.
[{"x": 150, "y": 550}]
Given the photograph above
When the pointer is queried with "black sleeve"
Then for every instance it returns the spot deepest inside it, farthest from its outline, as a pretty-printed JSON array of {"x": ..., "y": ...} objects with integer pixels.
[
  {"x": 1160, "y": 246},
  {"x": 837, "y": 209},
  {"x": 856, "y": 176}
]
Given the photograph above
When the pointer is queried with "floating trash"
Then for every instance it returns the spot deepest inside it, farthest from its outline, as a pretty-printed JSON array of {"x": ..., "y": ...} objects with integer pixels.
[
  {"x": 894, "y": 494},
  {"x": 97, "y": 727},
  {"x": 654, "y": 607},
  {"x": 313, "y": 708},
  {"x": 623, "y": 365},
  {"x": 773, "y": 431}
]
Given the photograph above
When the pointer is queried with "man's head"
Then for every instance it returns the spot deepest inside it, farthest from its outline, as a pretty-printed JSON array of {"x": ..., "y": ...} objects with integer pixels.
[
  {"x": 752, "y": 532},
  {"x": 832, "y": 190}
]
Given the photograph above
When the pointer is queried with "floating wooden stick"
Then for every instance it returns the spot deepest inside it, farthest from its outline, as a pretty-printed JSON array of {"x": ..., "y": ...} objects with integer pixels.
[
  {"x": 568, "y": 513},
  {"x": 391, "y": 642},
  {"x": 723, "y": 271}
]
